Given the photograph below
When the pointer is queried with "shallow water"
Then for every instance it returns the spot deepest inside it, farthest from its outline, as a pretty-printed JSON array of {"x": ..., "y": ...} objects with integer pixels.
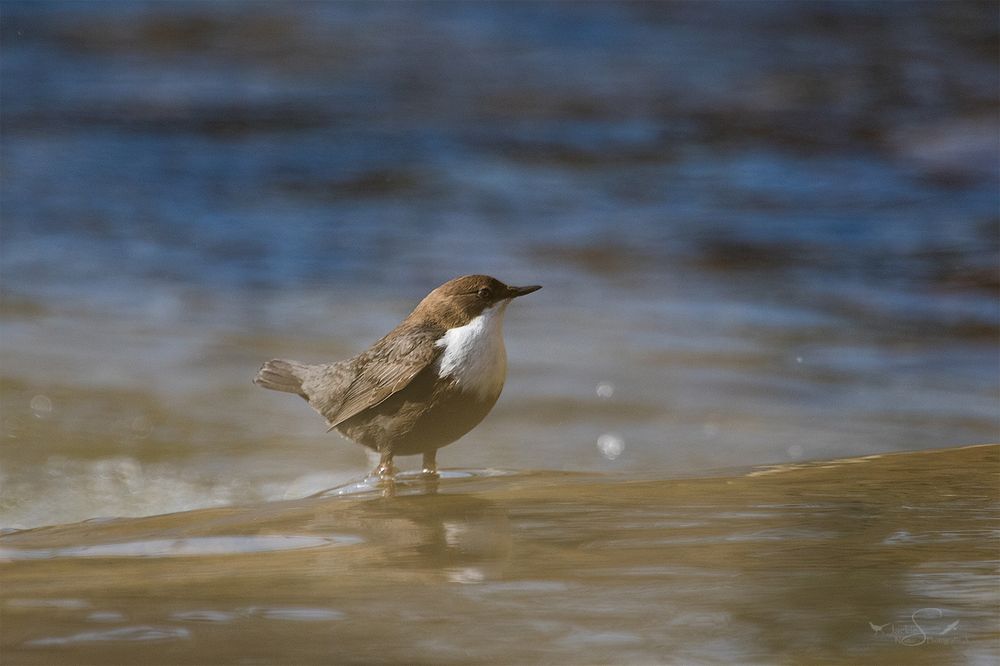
[
  {"x": 767, "y": 233},
  {"x": 883, "y": 559}
]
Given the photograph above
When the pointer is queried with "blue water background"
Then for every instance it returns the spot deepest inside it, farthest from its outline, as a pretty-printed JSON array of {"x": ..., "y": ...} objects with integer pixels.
[{"x": 770, "y": 227}]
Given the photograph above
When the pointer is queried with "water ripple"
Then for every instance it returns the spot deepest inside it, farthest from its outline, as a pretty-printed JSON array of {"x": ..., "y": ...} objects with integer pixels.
[
  {"x": 140, "y": 633},
  {"x": 187, "y": 547}
]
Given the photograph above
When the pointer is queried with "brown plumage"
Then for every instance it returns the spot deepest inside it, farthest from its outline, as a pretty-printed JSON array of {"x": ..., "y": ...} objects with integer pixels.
[{"x": 422, "y": 386}]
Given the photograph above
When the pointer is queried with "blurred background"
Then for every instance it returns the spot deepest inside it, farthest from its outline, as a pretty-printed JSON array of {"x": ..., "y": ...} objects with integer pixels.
[{"x": 767, "y": 231}]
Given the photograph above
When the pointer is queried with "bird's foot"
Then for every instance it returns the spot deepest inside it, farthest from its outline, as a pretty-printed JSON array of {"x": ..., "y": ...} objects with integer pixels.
[
  {"x": 384, "y": 476},
  {"x": 429, "y": 470},
  {"x": 385, "y": 471}
]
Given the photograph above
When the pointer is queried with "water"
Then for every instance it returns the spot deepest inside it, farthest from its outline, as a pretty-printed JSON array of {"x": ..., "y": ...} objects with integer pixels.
[
  {"x": 882, "y": 559},
  {"x": 767, "y": 232}
]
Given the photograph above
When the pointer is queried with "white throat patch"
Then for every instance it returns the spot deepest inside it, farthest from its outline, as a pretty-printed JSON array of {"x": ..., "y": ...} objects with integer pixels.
[{"x": 474, "y": 356}]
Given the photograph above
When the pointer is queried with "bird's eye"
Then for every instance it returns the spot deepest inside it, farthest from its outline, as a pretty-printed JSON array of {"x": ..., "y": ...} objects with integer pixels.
[{"x": 485, "y": 293}]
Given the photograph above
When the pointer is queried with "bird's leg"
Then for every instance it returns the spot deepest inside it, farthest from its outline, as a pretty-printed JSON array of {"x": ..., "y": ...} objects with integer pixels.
[
  {"x": 386, "y": 474},
  {"x": 430, "y": 467},
  {"x": 385, "y": 469}
]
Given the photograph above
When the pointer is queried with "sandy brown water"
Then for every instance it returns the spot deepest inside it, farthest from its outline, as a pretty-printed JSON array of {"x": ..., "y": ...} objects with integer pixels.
[{"x": 883, "y": 559}]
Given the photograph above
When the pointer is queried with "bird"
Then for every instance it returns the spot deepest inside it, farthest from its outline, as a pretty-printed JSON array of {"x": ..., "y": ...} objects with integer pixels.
[{"x": 423, "y": 385}]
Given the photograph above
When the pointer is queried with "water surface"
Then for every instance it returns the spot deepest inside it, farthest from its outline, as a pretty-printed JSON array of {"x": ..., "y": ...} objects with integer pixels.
[
  {"x": 883, "y": 559},
  {"x": 767, "y": 232}
]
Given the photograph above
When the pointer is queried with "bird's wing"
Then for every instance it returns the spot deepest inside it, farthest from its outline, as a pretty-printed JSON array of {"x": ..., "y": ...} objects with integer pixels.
[{"x": 341, "y": 390}]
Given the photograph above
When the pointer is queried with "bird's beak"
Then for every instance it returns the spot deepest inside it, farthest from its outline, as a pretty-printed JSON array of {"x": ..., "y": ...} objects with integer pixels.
[{"x": 514, "y": 292}]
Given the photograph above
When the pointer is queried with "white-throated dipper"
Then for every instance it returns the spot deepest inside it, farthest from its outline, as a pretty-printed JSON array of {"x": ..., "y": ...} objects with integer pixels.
[{"x": 429, "y": 381}]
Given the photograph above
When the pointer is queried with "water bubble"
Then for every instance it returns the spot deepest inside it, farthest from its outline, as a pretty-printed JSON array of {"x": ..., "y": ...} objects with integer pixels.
[
  {"x": 41, "y": 406},
  {"x": 795, "y": 451},
  {"x": 610, "y": 445},
  {"x": 605, "y": 390},
  {"x": 798, "y": 359}
]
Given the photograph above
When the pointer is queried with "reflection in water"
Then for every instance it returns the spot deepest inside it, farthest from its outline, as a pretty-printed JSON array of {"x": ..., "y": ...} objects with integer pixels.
[{"x": 803, "y": 562}]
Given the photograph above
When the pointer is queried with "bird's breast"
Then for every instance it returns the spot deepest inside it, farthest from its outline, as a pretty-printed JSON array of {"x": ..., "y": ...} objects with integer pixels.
[{"x": 473, "y": 356}]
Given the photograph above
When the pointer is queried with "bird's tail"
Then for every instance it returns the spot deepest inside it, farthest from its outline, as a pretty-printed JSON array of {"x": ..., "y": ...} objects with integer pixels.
[{"x": 279, "y": 375}]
